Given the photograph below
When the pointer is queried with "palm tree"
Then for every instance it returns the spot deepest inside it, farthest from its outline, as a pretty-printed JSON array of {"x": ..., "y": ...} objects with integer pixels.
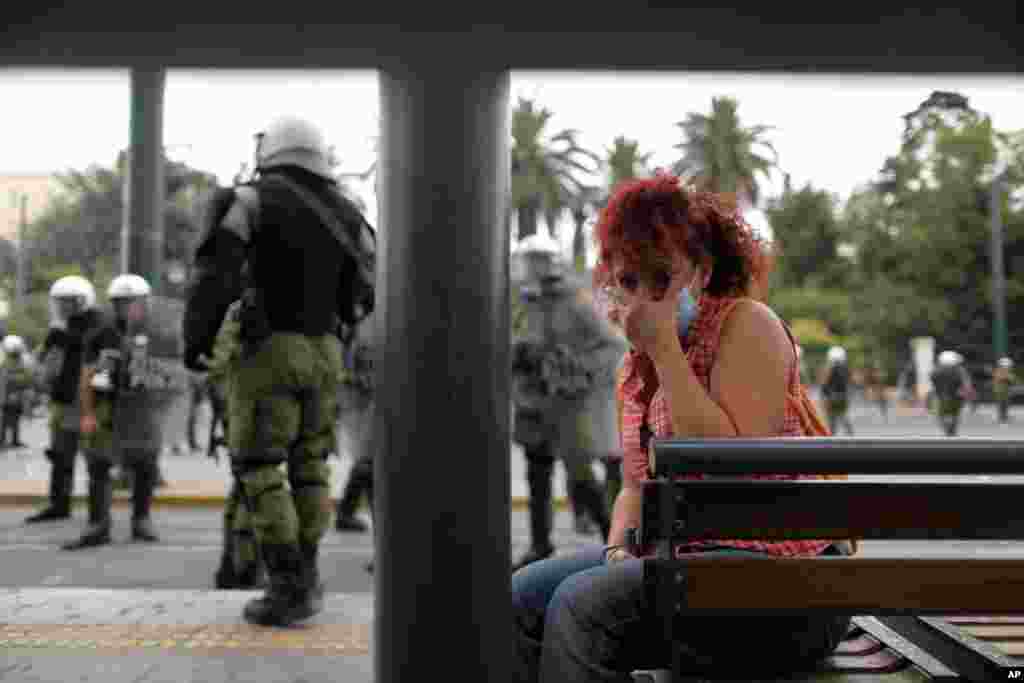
[
  {"x": 582, "y": 206},
  {"x": 722, "y": 155},
  {"x": 544, "y": 171},
  {"x": 624, "y": 162},
  {"x": 343, "y": 179}
]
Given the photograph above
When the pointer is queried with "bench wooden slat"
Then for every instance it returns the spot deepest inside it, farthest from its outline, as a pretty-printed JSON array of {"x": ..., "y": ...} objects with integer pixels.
[
  {"x": 869, "y": 586},
  {"x": 1013, "y": 648},
  {"x": 1002, "y": 632},
  {"x": 987, "y": 619},
  {"x": 833, "y": 455},
  {"x": 768, "y": 509}
]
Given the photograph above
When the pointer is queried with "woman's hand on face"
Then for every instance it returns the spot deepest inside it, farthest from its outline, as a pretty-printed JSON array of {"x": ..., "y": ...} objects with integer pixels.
[{"x": 651, "y": 325}]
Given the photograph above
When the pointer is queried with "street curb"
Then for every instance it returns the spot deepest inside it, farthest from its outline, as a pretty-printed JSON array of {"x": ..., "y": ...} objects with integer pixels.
[{"x": 122, "y": 499}]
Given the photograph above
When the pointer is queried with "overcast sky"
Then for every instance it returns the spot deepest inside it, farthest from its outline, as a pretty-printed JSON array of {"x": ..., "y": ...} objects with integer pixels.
[{"x": 831, "y": 130}]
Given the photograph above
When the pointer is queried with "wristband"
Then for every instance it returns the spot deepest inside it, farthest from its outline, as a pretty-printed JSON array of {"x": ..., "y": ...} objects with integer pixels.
[{"x": 611, "y": 550}]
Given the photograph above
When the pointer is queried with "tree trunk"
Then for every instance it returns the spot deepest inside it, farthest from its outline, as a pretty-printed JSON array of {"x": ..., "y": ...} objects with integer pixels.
[
  {"x": 529, "y": 217},
  {"x": 579, "y": 251},
  {"x": 528, "y": 214}
]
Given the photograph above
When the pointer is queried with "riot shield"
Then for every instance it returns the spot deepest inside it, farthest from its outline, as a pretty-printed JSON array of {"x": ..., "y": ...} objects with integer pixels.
[{"x": 153, "y": 404}]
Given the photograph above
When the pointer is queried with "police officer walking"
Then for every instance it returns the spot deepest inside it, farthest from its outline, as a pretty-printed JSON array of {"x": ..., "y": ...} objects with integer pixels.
[
  {"x": 835, "y": 389},
  {"x": 129, "y": 379},
  {"x": 953, "y": 386},
  {"x": 73, "y": 315},
  {"x": 310, "y": 255}
]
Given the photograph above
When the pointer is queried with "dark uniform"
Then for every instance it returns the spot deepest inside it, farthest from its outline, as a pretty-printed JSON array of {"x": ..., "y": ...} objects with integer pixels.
[
  {"x": 952, "y": 386},
  {"x": 199, "y": 390},
  {"x": 303, "y": 284},
  {"x": 137, "y": 375},
  {"x": 15, "y": 384},
  {"x": 61, "y": 363},
  {"x": 836, "y": 392},
  {"x": 355, "y": 410}
]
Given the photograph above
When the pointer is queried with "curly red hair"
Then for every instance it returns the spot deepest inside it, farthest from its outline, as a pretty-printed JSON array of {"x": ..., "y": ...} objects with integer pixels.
[{"x": 647, "y": 220}]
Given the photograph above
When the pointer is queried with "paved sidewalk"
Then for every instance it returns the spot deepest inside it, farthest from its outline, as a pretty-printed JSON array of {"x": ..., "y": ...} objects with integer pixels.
[{"x": 125, "y": 635}]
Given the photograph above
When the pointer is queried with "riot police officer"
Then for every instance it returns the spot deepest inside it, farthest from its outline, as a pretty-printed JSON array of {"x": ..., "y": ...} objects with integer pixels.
[
  {"x": 15, "y": 383},
  {"x": 132, "y": 373},
  {"x": 1003, "y": 379},
  {"x": 310, "y": 255},
  {"x": 73, "y": 315},
  {"x": 241, "y": 566},
  {"x": 953, "y": 386},
  {"x": 563, "y": 352},
  {"x": 355, "y": 411}
]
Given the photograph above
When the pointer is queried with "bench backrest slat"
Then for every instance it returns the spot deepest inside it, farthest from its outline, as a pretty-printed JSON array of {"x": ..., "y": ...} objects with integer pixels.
[
  {"x": 772, "y": 509},
  {"x": 833, "y": 455}
]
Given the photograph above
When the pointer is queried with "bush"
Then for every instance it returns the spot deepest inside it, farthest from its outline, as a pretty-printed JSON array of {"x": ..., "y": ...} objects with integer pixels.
[{"x": 30, "y": 320}]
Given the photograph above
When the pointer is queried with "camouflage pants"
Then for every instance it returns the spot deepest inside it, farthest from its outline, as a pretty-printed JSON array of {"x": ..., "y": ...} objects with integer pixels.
[
  {"x": 282, "y": 412},
  {"x": 239, "y": 538},
  {"x": 237, "y": 524}
]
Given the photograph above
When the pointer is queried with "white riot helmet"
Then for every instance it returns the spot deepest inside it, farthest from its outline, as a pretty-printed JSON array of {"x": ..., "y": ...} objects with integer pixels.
[
  {"x": 291, "y": 140},
  {"x": 539, "y": 257},
  {"x": 837, "y": 354},
  {"x": 128, "y": 286},
  {"x": 12, "y": 343},
  {"x": 1006, "y": 362},
  {"x": 123, "y": 291},
  {"x": 950, "y": 358},
  {"x": 70, "y": 295}
]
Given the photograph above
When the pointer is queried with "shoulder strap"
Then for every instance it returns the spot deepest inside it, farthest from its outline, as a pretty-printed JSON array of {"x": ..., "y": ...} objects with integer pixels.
[{"x": 330, "y": 220}]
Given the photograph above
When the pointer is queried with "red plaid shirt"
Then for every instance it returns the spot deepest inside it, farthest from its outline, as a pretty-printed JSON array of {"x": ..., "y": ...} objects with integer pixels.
[{"x": 638, "y": 407}]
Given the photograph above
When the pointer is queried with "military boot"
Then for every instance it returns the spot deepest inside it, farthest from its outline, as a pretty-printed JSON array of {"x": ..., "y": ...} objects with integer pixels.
[
  {"x": 61, "y": 480},
  {"x": 235, "y": 572},
  {"x": 97, "y": 532},
  {"x": 538, "y": 476},
  {"x": 311, "y": 572},
  {"x": 225, "y": 578},
  {"x": 590, "y": 506},
  {"x": 142, "y": 499},
  {"x": 252, "y": 576},
  {"x": 288, "y": 597},
  {"x": 360, "y": 479}
]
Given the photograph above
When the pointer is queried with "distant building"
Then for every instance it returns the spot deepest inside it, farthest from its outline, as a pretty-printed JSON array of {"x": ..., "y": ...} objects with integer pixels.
[{"x": 38, "y": 187}]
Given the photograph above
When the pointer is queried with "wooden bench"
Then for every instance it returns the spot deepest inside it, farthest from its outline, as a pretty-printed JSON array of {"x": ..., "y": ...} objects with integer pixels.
[{"x": 912, "y": 606}]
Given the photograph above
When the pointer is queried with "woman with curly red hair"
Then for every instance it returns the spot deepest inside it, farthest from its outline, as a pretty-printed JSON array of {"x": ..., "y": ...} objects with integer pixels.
[{"x": 682, "y": 272}]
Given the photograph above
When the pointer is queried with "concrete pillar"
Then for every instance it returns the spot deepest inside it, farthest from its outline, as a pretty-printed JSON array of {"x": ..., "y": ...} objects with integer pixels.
[
  {"x": 442, "y": 413},
  {"x": 142, "y": 237}
]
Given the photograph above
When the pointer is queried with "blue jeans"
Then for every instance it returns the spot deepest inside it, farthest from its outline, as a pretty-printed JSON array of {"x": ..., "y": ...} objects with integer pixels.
[{"x": 578, "y": 620}]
